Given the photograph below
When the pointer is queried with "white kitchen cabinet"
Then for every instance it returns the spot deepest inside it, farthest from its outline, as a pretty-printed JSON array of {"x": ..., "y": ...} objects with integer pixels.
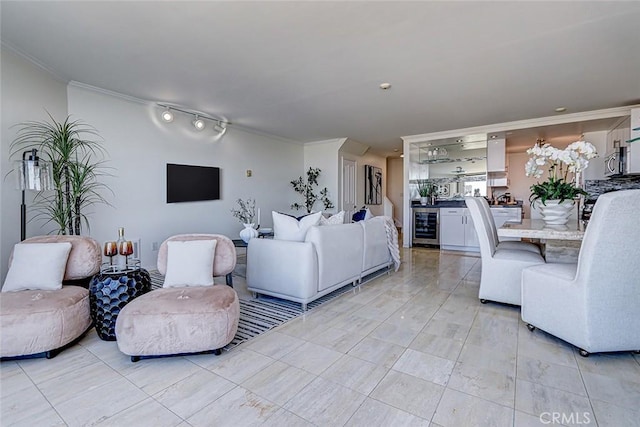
[
  {"x": 457, "y": 231},
  {"x": 496, "y": 155}
]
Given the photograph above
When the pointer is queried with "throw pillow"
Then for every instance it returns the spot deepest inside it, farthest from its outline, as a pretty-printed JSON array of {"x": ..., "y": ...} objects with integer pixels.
[
  {"x": 37, "y": 266},
  {"x": 190, "y": 263},
  {"x": 333, "y": 219},
  {"x": 286, "y": 227},
  {"x": 362, "y": 215}
]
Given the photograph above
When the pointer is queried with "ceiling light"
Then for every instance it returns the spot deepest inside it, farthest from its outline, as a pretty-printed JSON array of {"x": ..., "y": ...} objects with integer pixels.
[
  {"x": 219, "y": 127},
  {"x": 167, "y": 115},
  {"x": 198, "y": 123},
  {"x": 401, "y": 156},
  {"x": 385, "y": 86},
  {"x": 561, "y": 109}
]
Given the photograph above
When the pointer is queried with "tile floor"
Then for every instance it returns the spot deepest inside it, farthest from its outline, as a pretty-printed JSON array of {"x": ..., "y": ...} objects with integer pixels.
[{"x": 412, "y": 348}]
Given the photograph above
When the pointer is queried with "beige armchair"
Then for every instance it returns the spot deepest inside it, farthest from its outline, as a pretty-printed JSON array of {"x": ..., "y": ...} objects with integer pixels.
[
  {"x": 593, "y": 304},
  {"x": 501, "y": 266},
  {"x": 186, "y": 317},
  {"x": 40, "y": 322}
]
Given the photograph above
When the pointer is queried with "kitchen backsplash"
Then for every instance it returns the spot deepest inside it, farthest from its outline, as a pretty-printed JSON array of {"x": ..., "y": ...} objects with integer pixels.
[{"x": 601, "y": 186}]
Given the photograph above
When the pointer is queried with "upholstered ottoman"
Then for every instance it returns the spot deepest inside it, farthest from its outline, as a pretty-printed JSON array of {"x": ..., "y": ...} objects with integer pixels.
[{"x": 181, "y": 320}]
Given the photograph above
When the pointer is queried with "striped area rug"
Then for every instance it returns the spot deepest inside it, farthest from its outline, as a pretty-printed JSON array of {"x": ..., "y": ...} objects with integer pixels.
[{"x": 260, "y": 315}]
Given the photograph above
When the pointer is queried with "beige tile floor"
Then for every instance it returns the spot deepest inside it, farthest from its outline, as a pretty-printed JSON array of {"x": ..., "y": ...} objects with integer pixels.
[{"x": 411, "y": 348}]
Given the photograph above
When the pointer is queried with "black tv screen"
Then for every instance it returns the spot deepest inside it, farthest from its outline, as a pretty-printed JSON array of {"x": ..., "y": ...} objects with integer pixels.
[{"x": 186, "y": 183}]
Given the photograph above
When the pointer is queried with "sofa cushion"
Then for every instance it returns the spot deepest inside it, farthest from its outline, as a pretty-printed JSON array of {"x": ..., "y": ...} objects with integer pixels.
[
  {"x": 35, "y": 321},
  {"x": 190, "y": 263},
  {"x": 333, "y": 219},
  {"x": 286, "y": 227},
  {"x": 37, "y": 266}
]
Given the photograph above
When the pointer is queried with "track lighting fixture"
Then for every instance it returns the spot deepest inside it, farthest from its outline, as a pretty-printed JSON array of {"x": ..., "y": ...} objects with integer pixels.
[
  {"x": 198, "y": 123},
  {"x": 219, "y": 127},
  {"x": 167, "y": 115}
]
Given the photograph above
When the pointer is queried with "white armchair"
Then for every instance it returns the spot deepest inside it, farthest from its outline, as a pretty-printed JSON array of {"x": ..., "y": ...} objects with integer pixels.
[
  {"x": 501, "y": 267},
  {"x": 593, "y": 304}
]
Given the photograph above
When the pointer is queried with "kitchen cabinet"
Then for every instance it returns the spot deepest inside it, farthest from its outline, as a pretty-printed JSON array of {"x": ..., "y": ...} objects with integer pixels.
[
  {"x": 619, "y": 135},
  {"x": 457, "y": 231},
  {"x": 496, "y": 155}
]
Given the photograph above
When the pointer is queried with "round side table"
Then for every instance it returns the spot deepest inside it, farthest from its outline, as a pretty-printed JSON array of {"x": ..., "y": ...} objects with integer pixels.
[{"x": 110, "y": 291}]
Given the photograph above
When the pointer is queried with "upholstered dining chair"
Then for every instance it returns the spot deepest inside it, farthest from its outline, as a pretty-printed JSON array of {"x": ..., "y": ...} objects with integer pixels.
[
  {"x": 40, "y": 313},
  {"x": 493, "y": 233},
  {"x": 593, "y": 304},
  {"x": 501, "y": 267}
]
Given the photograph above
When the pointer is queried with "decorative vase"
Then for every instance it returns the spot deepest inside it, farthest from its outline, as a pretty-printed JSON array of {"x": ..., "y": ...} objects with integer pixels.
[
  {"x": 248, "y": 232},
  {"x": 556, "y": 213},
  {"x": 424, "y": 200}
]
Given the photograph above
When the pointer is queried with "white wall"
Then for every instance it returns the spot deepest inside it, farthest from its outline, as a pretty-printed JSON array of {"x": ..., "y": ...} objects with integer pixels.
[
  {"x": 361, "y": 161},
  {"x": 139, "y": 146},
  {"x": 395, "y": 186},
  {"x": 26, "y": 92},
  {"x": 324, "y": 155}
]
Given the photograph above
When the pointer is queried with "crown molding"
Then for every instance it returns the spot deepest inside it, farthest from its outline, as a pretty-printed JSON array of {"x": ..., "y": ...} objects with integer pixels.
[
  {"x": 525, "y": 124},
  {"x": 54, "y": 74}
]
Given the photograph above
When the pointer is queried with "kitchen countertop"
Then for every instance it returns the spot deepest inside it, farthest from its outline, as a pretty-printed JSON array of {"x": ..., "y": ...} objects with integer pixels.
[{"x": 459, "y": 204}]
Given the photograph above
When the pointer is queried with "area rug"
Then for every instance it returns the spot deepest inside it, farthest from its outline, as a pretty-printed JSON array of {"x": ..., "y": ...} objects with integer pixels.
[{"x": 260, "y": 315}]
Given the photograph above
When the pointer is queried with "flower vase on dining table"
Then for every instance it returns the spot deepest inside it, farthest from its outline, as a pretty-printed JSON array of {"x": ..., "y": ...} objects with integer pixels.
[
  {"x": 248, "y": 232},
  {"x": 556, "y": 212}
]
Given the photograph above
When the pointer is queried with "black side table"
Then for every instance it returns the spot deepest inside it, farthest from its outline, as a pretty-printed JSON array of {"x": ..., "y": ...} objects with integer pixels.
[{"x": 110, "y": 291}]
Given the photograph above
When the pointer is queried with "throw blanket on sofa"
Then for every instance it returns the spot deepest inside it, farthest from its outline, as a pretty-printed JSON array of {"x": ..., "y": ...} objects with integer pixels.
[{"x": 392, "y": 241}]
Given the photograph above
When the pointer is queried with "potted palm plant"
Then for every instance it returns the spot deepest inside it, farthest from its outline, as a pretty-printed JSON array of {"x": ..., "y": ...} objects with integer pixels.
[{"x": 75, "y": 151}]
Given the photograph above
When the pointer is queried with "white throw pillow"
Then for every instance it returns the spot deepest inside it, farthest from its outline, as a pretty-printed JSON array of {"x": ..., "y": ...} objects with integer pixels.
[
  {"x": 368, "y": 214},
  {"x": 189, "y": 263},
  {"x": 37, "y": 266},
  {"x": 286, "y": 227},
  {"x": 333, "y": 219}
]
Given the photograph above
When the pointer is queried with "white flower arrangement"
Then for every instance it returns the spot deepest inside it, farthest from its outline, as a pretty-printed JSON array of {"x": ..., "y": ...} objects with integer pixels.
[{"x": 576, "y": 157}]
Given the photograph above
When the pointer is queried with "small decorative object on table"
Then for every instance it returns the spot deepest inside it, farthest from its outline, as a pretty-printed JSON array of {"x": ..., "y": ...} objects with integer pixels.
[
  {"x": 110, "y": 250},
  {"x": 555, "y": 197},
  {"x": 246, "y": 213},
  {"x": 111, "y": 290}
]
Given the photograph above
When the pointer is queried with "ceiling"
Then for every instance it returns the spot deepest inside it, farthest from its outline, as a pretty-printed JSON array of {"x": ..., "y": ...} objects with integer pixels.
[{"x": 310, "y": 71}]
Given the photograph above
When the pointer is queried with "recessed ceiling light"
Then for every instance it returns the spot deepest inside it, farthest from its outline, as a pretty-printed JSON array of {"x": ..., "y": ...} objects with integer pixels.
[
  {"x": 561, "y": 109},
  {"x": 385, "y": 86},
  {"x": 401, "y": 156}
]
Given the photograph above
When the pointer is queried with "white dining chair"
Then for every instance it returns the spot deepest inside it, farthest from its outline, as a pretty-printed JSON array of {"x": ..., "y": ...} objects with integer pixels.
[
  {"x": 593, "y": 304},
  {"x": 493, "y": 232},
  {"x": 501, "y": 267}
]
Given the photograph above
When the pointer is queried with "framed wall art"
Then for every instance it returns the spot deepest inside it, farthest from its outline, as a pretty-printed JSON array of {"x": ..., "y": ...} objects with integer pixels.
[{"x": 372, "y": 185}]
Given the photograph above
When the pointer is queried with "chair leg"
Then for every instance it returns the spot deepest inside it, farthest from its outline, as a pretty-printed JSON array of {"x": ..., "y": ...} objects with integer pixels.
[
  {"x": 531, "y": 327},
  {"x": 217, "y": 351},
  {"x": 134, "y": 359},
  {"x": 583, "y": 353},
  {"x": 229, "y": 280},
  {"x": 483, "y": 301}
]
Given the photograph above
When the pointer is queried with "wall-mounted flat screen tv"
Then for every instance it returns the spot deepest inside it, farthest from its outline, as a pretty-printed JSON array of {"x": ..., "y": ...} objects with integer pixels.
[{"x": 187, "y": 183}]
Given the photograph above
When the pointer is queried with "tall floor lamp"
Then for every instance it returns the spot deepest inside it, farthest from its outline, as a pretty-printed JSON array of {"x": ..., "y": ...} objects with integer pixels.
[{"x": 33, "y": 174}]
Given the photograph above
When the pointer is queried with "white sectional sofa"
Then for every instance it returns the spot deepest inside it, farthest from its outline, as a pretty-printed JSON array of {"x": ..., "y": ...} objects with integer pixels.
[{"x": 330, "y": 257}]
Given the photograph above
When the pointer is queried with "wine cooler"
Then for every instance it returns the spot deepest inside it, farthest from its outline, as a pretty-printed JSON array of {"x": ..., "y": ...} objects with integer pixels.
[{"x": 426, "y": 226}]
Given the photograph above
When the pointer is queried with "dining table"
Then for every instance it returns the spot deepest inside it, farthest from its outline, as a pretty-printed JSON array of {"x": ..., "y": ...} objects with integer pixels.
[{"x": 559, "y": 243}]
